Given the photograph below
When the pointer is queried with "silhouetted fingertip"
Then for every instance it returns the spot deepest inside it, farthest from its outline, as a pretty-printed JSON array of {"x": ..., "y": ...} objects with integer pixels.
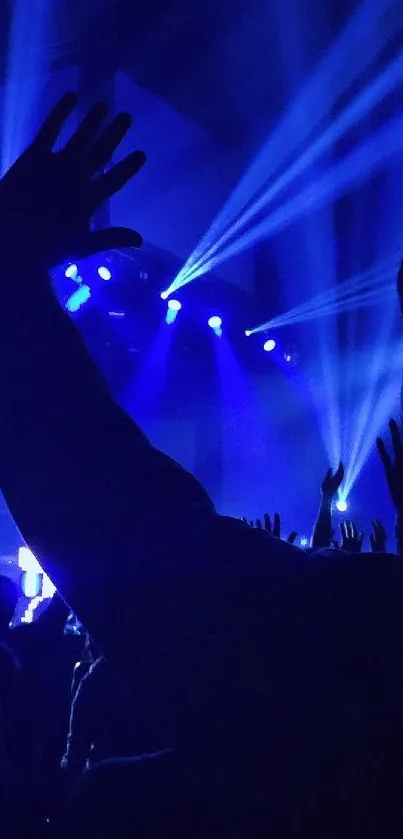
[
  {"x": 133, "y": 239},
  {"x": 70, "y": 99},
  {"x": 125, "y": 118},
  {"x": 141, "y": 157}
]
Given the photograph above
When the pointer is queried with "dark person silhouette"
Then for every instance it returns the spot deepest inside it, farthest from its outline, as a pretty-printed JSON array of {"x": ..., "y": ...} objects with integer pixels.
[
  {"x": 105, "y": 722},
  {"x": 276, "y": 676}
]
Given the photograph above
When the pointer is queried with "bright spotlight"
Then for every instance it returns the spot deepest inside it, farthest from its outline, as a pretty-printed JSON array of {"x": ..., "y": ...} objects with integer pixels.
[
  {"x": 248, "y": 332},
  {"x": 104, "y": 272},
  {"x": 174, "y": 305},
  {"x": 71, "y": 271},
  {"x": 215, "y": 322},
  {"x": 164, "y": 294},
  {"x": 303, "y": 542},
  {"x": 78, "y": 298},
  {"x": 31, "y": 584},
  {"x": 269, "y": 345},
  {"x": 341, "y": 505}
]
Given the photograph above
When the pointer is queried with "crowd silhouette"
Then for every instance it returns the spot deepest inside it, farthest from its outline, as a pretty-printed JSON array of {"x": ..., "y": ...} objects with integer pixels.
[{"x": 231, "y": 685}]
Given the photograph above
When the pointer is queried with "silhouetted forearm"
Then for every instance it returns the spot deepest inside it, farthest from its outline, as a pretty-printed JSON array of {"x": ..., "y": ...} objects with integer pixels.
[
  {"x": 77, "y": 473},
  {"x": 322, "y": 533}
]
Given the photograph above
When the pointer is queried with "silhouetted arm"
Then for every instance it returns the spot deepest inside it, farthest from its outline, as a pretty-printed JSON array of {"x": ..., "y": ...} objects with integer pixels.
[
  {"x": 79, "y": 476},
  {"x": 323, "y": 531},
  {"x": 81, "y": 733}
]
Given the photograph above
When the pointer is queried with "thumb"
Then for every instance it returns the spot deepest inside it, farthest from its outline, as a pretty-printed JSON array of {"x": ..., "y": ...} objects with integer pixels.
[{"x": 109, "y": 239}]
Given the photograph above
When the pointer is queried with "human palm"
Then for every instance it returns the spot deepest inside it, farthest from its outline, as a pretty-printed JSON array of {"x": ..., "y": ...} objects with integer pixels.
[{"x": 55, "y": 194}]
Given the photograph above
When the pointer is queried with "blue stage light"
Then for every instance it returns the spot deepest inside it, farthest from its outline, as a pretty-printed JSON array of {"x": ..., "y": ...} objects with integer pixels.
[
  {"x": 104, "y": 272},
  {"x": 164, "y": 294},
  {"x": 269, "y": 345},
  {"x": 174, "y": 305},
  {"x": 31, "y": 583},
  {"x": 341, "y": 505},
  {"x": 215, "y": 322},
  {"x": 303, "y": 542},
  {"x": 248, "y": 332},
  {"x": 78, "y": 298},
  {"x": 71, "y": 271}
]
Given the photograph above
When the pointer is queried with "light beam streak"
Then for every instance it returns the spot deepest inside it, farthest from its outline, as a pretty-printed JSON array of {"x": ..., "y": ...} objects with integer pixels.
[
  {"x": 377, "y": 278},
  {"x": 347, "y": 173},
  {"x": 28, "y": 64},
  {"x": 352, "y": 114},
  {"x": 349, "y": 56}
]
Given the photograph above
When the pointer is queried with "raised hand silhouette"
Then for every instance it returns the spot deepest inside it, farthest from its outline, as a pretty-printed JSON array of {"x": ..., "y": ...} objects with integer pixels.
[{"x": 54, "y": 195}]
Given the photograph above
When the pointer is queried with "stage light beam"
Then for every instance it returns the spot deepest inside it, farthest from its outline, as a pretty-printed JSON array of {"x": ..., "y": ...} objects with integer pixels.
[
  {"x": 269, "y": 345},
  {"x": 333, "y": 76}
]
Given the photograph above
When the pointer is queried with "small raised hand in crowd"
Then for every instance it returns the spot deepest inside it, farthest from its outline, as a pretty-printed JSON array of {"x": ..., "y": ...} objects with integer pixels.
[
  {"x": 323, "y": 530},
  {"x": 271, "y": 526},
  {"x": 351, "y": 538},
  {"x": 378, "y": 537}
]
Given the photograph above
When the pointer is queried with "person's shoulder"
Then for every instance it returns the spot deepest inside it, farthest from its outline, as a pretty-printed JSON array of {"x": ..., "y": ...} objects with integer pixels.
[{"x": 254, "y": 544}]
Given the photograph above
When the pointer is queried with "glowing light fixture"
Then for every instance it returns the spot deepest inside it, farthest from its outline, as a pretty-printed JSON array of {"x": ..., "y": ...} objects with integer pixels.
[
  {"x": 71, "y": 271},
  {"x": 78, "y": 298},
  {"x": 341, "y": 505},
  {"x": 104, "y": 272},
  {"x": 269, "y": 345},
  {"x": 215, "y": 323},
  {"x": 30, "y": 583},
  {"x": 174, "y": 306}
]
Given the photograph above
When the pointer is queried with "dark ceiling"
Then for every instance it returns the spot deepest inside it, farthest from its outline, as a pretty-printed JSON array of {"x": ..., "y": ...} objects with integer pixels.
[{"x": 229, "y": 66}]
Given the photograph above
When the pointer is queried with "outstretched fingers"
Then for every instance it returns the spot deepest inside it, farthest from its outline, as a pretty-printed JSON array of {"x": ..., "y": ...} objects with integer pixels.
[
  {"x": 384, "y": 455},
  {"x": 276, "y": 526},
  {"x": 83, "y": 138},
  {"x": 107, "y": 185},
  {"x": 53, "y": 125},
  {"x": 108, "y": 142},
  {"x": 339, "y": 473},
  {"x": 396, "y": 439}
]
